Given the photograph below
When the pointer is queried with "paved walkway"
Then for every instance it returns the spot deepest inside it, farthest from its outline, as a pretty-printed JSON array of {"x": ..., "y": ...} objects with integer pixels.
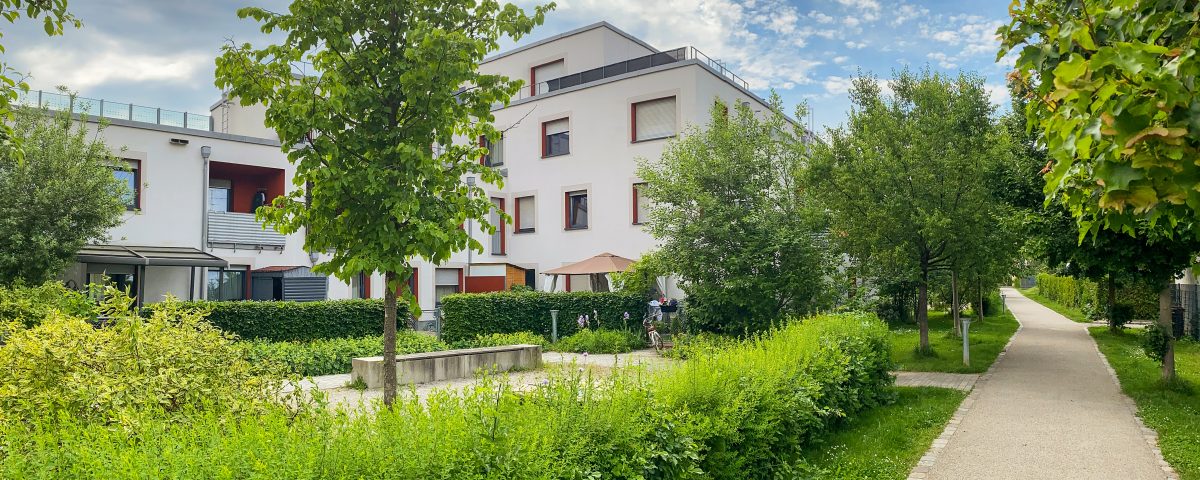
[
  {"x": 957, "y": 381},
  {"x": 1048, "y": 408}
]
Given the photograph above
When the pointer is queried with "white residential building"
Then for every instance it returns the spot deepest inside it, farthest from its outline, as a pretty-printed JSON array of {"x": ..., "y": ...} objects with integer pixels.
[{"x": 597, "y": 99}]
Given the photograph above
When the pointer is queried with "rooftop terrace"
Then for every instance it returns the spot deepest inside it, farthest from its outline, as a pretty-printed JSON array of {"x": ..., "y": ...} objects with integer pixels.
[{"x": 121, "y": 111}]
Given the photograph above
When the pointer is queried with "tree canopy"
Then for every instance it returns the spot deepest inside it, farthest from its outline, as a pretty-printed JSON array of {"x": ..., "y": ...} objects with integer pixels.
[
  {"x": 54, "y": 16},
  {"x": 383, "y": 102}
]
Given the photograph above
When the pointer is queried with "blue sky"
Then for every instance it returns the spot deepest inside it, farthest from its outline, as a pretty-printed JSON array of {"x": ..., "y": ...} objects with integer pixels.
[{"x": 157, "y": 53}]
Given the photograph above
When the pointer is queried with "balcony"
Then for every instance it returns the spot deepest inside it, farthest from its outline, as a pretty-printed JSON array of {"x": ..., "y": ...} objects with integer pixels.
[
  {"x": 632, "y": 65},
  {"x": 121, "y": 111},
  {"x": 234, "y": 192}
]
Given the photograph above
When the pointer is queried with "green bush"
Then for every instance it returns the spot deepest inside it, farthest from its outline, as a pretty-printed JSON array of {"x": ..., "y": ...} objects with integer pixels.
[
  {"x": 600, "y": 341},
  {"x": 294, "y": 321},
  {"x": 685, "y": 346},
  {"x": 470, "y": 314},
  {"x": 503, "y": 339},
  {"x": 28, "y": 306},
  {"x": 744, "y": 412},
  {"x": 171, "y": 363},
  {"x": 1067, "y": 291},
  {"x": 333, "y": 355},
  {"x": 1092, "y": 299}
]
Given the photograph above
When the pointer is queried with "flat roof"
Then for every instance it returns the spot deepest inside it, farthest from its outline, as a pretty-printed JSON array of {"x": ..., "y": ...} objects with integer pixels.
[
  {"x": 149, "y": 256},
  {"x": 577, "y": 31}
]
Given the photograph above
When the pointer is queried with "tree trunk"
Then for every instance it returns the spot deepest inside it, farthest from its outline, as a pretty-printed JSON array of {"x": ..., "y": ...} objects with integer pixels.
[
  {"x": 1164, "y": 321},
  {"x": 954, "y": 305},
  {"x": 922, "y": 311},
  {"x": 1112, "y": 299},
  {"x": 979, "y": 311},
  {"x": 389, "y": 339}
]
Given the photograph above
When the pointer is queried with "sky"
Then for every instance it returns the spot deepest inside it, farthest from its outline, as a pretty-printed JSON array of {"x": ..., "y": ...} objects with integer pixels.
[{"x": 160, "y": 53}]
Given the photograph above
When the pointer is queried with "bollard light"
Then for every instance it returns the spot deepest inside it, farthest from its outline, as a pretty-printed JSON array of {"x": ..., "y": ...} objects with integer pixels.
[
  {"x": 966, "y": 325},
  {"x": 554, "y": 325}
]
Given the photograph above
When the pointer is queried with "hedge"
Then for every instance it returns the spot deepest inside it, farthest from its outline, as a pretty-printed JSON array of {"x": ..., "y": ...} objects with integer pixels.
[
  {"x": 295, "y": 321},
  {"x": 1087, "y": 295},
  {"x": 470, "y": 314},
  {"x": 746, "y": 411},
  {"x": 331, "y": 356}
]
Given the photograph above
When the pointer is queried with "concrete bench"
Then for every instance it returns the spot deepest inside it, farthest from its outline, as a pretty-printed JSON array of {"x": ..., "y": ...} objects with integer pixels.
[{"x": 447, "y": 364}]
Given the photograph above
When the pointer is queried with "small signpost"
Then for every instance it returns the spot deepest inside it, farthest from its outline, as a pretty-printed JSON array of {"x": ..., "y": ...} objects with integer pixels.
[
  {"x": 966, "y": 325},
  {"x": 554, "y": 325}
]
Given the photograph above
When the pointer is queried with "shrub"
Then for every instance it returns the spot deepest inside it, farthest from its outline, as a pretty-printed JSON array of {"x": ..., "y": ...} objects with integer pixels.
[
  {"x": 1068, "y": 291},
  {"x": 685, "y": 346},
  {"x": 1092, "y": 299},
  {"x": 470, "y": 314},
  {"x": 333, "y": 355},
  {"x": 294, "y": 321},
  {"x": 1119, "y": 315},
  {"x": 743, "y": 412},
  {"x": 600, "y": 341},
  {"x": 170, "y": 363},
  {"x": 502, "y": 339},
  {"x": 1155, "y": 341},
  {"x": 28, "y": 306}
]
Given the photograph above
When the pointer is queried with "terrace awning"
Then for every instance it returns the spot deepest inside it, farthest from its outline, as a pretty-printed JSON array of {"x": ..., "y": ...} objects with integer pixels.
[
  {"x": 149, "y": 256},
  {"x": 602, "y": 263}
]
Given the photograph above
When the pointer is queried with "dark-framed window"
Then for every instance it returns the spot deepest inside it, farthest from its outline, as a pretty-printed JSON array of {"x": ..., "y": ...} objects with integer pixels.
[
  {"x": 129, "y": 173},
  {"x": 220, "y": 195},
  {"x": 227, "y": 284},
  {"x": 499, "y": 242},
  {"x": 577, "y": 210},
  {"x": 525, "y": 215},
  {"x": 641, "y": 205},
  {"x": 653, "y": 119},
  {"x": 360, "y": 286},
  {"x": 556, "y": 137},
  {"x": 495, "y": 155}
]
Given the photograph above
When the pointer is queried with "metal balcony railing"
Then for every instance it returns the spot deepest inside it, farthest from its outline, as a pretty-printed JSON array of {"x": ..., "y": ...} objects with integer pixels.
[
  {"x": 122, "y": 111},
  {"x": 631, "y": 65},
  {"x": 241, "y": 231}
]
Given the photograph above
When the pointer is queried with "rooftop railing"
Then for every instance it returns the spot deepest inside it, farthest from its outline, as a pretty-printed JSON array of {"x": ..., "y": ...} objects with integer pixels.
[
  {"x": 631, "y": 65},
  {"x": 122, "y": 111}
]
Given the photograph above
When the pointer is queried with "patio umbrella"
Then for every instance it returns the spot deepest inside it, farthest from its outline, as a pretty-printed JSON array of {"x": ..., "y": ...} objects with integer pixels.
[{"x": 596, "y": 267}]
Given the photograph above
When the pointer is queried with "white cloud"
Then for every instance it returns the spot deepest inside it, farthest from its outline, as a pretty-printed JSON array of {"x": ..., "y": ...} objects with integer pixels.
[
  {"x": 904, "y": 13},
  {"x": 974, "y": 35},
  {"x": 820, "y": 17},
  {"x": 840, "y": 59},
  {"x": 868, "y": 10},
  {"x": 943, "y": 60},
  {"x": 107, "y": 60},
  {"x": 856, "y": 45},
  {"x": 835, "y": 85},
  {"x": 850, "y": 21},
  {"x": 998, "y": 94}
]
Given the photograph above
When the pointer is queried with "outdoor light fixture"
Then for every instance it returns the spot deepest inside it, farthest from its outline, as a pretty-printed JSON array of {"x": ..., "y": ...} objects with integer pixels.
[
  {"x": 205, "y": 152},
  {"x": 470, "y": 181}
]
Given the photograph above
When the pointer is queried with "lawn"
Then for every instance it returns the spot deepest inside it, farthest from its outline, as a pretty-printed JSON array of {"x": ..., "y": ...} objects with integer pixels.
[
  {"x": 885, "y": 442},
  {"x": 1173, "y": 411},
  {"x": 1072, "y": 313},
  {"x": 987, "y": 340}
]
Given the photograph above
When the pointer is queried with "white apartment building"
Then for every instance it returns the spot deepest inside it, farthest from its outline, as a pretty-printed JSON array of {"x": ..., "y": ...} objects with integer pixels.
[{"x": 597, "y": 99}]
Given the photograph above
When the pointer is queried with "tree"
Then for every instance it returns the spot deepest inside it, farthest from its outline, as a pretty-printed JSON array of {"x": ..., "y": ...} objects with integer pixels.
[
  {"x": 378, "y": 117},
  {"x": 734, "y": 221},
  {"x": 57, "y": 197},
  {"x": 904, "y": 170},
  {"x": 1111, "y": 83},
  {"x": 54, "y": 15}
]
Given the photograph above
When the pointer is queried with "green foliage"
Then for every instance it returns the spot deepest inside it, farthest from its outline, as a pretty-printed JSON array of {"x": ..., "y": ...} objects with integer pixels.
[
  {"x": 641, "y": 278},
  {"x": 734, "y": 224},
  {"x": 28, "y": 306},
  {"x": 987, "y": 338},
  {"x": 1068, "y": 292},
  {"x": 55, "y": 198},
  {"x": 1137, "y": 299},
  {"x": 685, "y": 346},
  {"x": 905, "y": 180},
  {"x": 1173, "y": 409},
  {"x": 503, "y": 339},
  {"x": 333, "y": 355},
  {"x": 1118, "y": 315},
  {"x": 291, "y": 321},
  {"x": 53, "y": 15},
  {"x": 1110, "y": 83},
  {"x": 1156, "y": 339},
  {"x": 745, "y": 412},
  {"x": 468, "y": 315},
  {"x": 600, "y": 341},
  {"x": 172, "y": 363}
]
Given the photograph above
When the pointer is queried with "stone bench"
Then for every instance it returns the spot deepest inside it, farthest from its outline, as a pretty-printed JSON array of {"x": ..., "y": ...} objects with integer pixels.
[{"x": 447, "y": 364}]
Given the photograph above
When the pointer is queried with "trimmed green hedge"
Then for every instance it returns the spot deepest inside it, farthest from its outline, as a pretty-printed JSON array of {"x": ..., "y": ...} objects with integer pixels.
[
  {"x": 1088, "y": 296},
  {"x": 331, "y": 356},
  {"x": 470, "y": 314},
  {"x": 295, "y": 321}
]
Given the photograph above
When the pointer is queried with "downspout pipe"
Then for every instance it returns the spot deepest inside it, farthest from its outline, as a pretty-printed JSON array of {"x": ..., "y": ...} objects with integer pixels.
[{"x": 205, "y": 152}]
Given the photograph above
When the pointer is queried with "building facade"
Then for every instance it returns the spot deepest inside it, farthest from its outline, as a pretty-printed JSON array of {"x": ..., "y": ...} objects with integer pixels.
[{"x": 596, "y": 101}]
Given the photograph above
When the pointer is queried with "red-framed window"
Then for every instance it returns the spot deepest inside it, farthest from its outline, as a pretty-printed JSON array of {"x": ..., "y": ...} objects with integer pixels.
[
  {"x": 641, "y": 205},
  {"x": 499, "y": 240},
  {"x": 495, "y": 155},
  {"x": 546, "y": 71},
  {"x": 575, "y": 210},
  {"x": 360, "y": 286},
  {"x": 652, "y": 119},
  {"x": 556, "y": 137},
  {"x": 524, "y": 215}
]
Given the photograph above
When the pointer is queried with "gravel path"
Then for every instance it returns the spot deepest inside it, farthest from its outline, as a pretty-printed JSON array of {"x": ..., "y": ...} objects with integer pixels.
[{"x": 1049, "y": 408}]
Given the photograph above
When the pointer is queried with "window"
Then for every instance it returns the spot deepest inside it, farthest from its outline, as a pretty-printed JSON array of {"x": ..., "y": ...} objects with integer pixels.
[
  {"x": 446, "y": 281},
  {"x": 526, "y": 215},
  {"x": 220, "y": 195},
  {"x": 547, "y": 71},
  {"x": 577, "y": 210},
  {"x": 360, "y": 286},
  {"x": 498, "y": 240},
  {"x": 641, "y": 205},
  {"x": 122, "y": 277},
  {"x": 556, "y": 137},
  {"x": 495, "y": 155},
  {"x": 226, "y": 284},
  {"x": 531, "y": 278},
  {"x": 653, "y": 119},
  {"x": 129, "y": 174}
]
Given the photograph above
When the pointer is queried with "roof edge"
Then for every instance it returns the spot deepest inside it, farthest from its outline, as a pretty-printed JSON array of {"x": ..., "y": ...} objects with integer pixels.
[{"x": 577, "y": 31}]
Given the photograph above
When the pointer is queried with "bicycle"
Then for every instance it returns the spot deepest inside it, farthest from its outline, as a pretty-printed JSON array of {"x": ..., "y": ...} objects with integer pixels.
[{"x": 651, "y": 332}]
